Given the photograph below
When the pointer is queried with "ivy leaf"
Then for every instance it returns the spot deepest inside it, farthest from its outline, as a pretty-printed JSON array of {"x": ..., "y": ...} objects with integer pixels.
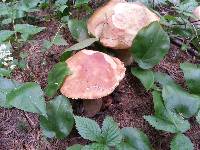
[
  {"x": 28, "y": 97},
  {"x": 192, "y": 77},
  {"x": 4, "y": 72},
  {"x": 59, "y": 121},
  {"x": 150, "y": 45},
  {"x": 75, "y": 147},
  {"x": 59, "y": 40},
  {"x": 198, "y": 117},
  {"x": 78, "y": 29},
  {"x": 5, "y": 34},
  {"x": 134, "y": 139},
  {"x": 56, "y": 77},
  {"x": 27, "y": 30},
  {"x": 178, "y": 100},
  {"x": 181, "y": 142},
  {"x": 164, "y": 119},
  {"x": 88, "y": 129},
  {"x": 6, "y": 85},
  {"x": 111, "y": 132},
  {"x": 95, "y": 146},
  {"x": 145, "y": 76}
]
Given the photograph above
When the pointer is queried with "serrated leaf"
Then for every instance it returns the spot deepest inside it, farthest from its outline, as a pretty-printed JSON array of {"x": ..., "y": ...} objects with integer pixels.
[
  {"x": 27, "y": 30},
  {"x": 145, "y": 76},
  {"x": 159, "y": 107},
  {"x": 6, "y": 85},
  {"x": 88, "y": 129},
  {"x": 192, "y": 77},
  {"x": 4, "y": 72},
  {"x": 56, "y": 77},
  {"x": 181, "y": 142},
  {"x": 134, "y": 139},
  {"x": 59, "y": 40},
  {"x": 95, "y": 146},
  {"x": 5, "y": 34},
  {"x": 110, "y": 132},
  {"x": 28, "y": 97},
  {"x": 198, "y": 117},
  {"x": 78, "y": 29},
  {"x": 75, "y": 147},
  {"x": 150, "y": 45},
  {"x": 59, "y": 121},
  {"x": 47, "y": 44},
  {"x": 178, "y": 100},
  {"x": 83, "y": 44}
]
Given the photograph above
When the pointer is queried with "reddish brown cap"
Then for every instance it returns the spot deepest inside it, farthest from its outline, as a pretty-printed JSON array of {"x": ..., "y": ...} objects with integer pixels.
[
  {"x": 117, "y": 23},
  {"x": 94, "y": 75}
]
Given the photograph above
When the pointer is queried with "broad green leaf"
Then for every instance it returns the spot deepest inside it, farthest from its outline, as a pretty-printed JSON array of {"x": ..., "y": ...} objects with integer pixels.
[
  {"x": 145, "y": 76},
  {"x": 159, "y": 107},
  {"x": 187, "y": 5},
  {"x": 110, "y": 132},
  {"x": 78, "y": 29},
  {"x": 75, "y": 147},
  {"x": 181, "y": 142},
  {"x": 6, "y": 85},
  {"x": 59, "y": 40},
  {"x": 27, "y": 30},
  {"x": 5, "y": 34},
  {"x": 59, "y": 121},
  {"x": 150, "y": 45},
  {"x": 88, "y": 129},
  {"x": 83, "y": 44},
  {"x": 95, "y": 146},
  {"x": 134, "y": 139},
  {"x": 4, "y": 72},
  {"x": 28, "y": 5},
  {"x": 81, "y": 2},
  {"x": 198, "y": 117},
  {"x": 28, "y": 97},
  {"x": 163, "y": 79},
  {"x": 192, "y": 77},
  {"x": 47, "y": 44},
  {"x": 178, "y": 100},
  {"x": 56, "y": 77},
  {"x": 65, "y": 56}
]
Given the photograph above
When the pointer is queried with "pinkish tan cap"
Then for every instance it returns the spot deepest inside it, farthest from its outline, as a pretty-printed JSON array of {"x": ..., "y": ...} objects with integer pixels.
[
  {"x": 117, "y": 23},
  {"x": 94, "y": 75}
]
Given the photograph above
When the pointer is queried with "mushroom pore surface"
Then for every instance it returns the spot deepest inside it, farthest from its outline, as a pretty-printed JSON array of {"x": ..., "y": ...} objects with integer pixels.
[
  {"x": 117, "y": 23},
  {"x": 94, "y": 75}
]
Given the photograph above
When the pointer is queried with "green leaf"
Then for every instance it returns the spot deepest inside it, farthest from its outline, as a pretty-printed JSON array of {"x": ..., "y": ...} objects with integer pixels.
[
  {"x": 192, "y": 77},
  {"x": 4, "y": 72},
  {"x": 83, "y": 44},
  {"x": 163, "y": 79},
  {"x": 56, "y": 77},
  {"x": 110, "y": 132},
  {"x": 28, "y": 97},
  {"x": 198, "y": 117},
  {"x": 27, "y": 30},
  {"x": 47, "y": 44},
  {"x": 75, "y": 147},
  {"x": 145, "y": 76},
  {"x": 81, "y": 2},
  {"x": 181, "y": 142},
  {"x": 150, "y": 45},
  {"x": 6, "y": 85},
  {"x": 178, "y": 100},
  {"x": 95, "y": 146},
  {"x": 5, "y": 34},
  {"x": 59, "y": 40},
  {"x": 59, "y": 121},
  {"x": 65, "y": 56},
  {"x": 134, "y": 139},
  {"x": 88, "y": 129},
  {"x": 78, "y": 29}
]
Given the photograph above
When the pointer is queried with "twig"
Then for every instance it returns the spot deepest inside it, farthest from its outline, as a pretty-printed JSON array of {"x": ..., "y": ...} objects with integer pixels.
[{"x": 30, "y": 122}]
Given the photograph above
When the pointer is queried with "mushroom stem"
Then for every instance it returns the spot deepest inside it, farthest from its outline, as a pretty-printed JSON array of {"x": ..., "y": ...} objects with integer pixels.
[
  {"x": 92, "y": 107},
  {"x": 125, "y": 56}
]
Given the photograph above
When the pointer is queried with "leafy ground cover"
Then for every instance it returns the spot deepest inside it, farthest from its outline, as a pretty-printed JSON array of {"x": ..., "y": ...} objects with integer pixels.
[{"x": 165, "y": 108}]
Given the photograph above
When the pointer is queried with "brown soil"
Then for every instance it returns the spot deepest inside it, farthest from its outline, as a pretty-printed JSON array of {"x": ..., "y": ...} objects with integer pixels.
[{"x": 21, "y": 131}]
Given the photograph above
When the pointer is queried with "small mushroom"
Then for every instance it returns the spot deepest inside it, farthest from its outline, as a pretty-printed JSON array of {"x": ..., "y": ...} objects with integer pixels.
[
  {"x": 196, "y": 13},
  {"x": 117, "y": 23},
  {"x": 94, "y": 75}
]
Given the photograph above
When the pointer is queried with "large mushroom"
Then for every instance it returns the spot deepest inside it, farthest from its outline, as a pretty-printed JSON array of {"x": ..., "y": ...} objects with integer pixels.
[
  {"x": 94, "y": 75},
  {"x": 117, "y": 23}
]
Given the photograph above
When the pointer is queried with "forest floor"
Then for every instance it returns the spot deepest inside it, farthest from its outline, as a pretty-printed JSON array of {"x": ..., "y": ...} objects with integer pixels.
[{"x": 130, "y": 101}]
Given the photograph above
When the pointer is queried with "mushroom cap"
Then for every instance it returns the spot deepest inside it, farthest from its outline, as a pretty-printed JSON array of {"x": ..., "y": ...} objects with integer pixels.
[
  {"x": 94, "y": 75},
  {"x": 117, "y": 23},
  {"x": 196, "y": 12}
]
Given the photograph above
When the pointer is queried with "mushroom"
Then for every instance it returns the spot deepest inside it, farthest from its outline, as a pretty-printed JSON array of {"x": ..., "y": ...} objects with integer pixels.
[
  {"x": 196, "y": 13},
  {"x": 117, "y": 23},
  {"x": 94, "y": 75}
]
